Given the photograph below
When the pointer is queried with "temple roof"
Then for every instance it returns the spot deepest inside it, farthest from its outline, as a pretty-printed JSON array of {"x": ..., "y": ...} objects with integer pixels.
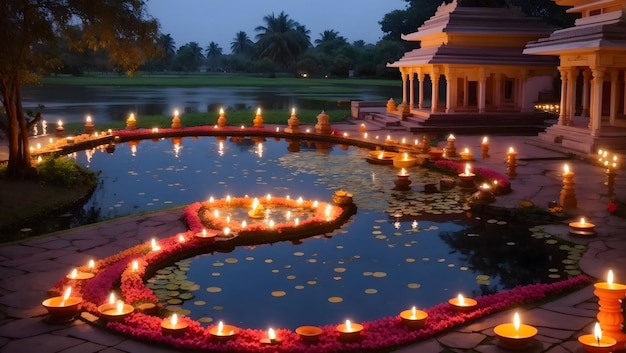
[{"x": 476, "y": 35}]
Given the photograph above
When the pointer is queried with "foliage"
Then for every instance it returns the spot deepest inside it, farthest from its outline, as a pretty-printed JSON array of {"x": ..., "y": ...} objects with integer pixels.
[
  {"x": 281, "y": 39},
  {"x": 242, "y": 45},
  {"x": 62, "y": 171}
]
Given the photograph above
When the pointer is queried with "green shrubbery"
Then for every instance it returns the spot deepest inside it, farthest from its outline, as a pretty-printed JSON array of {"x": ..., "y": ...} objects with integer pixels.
[{"x": 63, "y": 171}]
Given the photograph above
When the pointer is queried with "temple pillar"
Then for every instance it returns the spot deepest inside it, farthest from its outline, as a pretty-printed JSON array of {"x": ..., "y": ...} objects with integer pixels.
[
  {"x": 614, "y": 101},
  {"x": 482, "y": 89},
  {"x": 404, "y": 79},
  {"x": 522, "y": 91},
  {"x": 586, "y": 92},
  {"x": 562, "y": 108},
  {"x": 571, "y": 95},
  {"x": 465, "y": 92},
  {"x": 411, "y": 89},
  {"x": 497, "y": 91},
  {"x": 420, "y": 79},
  {"x": 434, "y": 81},
  {"x": 596, "y": 111},
  {"x": 450, "y": 92},
  {"x": 624, "y": 100}
]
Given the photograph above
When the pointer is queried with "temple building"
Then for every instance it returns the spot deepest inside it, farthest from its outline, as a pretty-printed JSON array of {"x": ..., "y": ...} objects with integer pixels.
[
  {"x": 476, "y": 53},
  {"x": 592, "y": 67}
]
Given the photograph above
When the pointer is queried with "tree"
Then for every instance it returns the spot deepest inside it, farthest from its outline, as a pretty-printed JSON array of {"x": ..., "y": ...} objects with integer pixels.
[
  {"x": 242, "y": 45},
  {"x": 168, "y": 48},
  {"x": 213, "y": 53},
  {"x": 189, "y": 57},
  {"x": 329, "y": 35},
  {"x": 122, "y": 27},
  {"x": 281, "y": 39}
]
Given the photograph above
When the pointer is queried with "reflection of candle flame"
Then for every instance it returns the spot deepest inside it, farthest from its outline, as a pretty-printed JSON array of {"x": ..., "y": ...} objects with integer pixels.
[
  {"x": 271, "y": 334},
  {"x": 413, "y": 313},
  {"x": 174, "y": 320},
  {"x": 348, "y": 326},
  {"x": 461, "y": 299},
  {"x": 243, "y": 224},
  {"x": 597, "y": 332},
  {"x": 403, "y": 172},
  {"x": 112, "y": 298},
  {"x": 609, "y": 277},
  {"x": 120, "y": 307},
  {"x": 296, "y": 221},
  {"x": 516, "y": 321}
]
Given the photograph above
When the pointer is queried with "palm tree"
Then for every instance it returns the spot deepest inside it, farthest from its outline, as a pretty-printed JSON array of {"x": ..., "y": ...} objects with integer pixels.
[
  {"x": 213, "y": 53},
  {"x": 168, "y": 47},
  {"x": 242, "y": 44},
  {"x": 189, "y": 56},
  {"x": 280, "y": 40},
  {"x": 328, "y": 36}
]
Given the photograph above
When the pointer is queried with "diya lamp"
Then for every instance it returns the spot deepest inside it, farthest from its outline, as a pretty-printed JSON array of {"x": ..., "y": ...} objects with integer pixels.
[
  {"x": 511, "y": 155},
  {"x": 404, "y": 160},
  {"x": 173, "y": 326},
  {"x": 567, "y": 197},
  {"x": 309, "y": 333},
  {"x": 89, "y": 127},
  {"x": 204, "y": 234},
  {"x": 115, "y": 310},
  {"x": 484, "y": 148},
  {"x": 79, "y": 275},
  {"x": 293, "y": 123},
  {"x": 402, "y": 182},
  {"x": 596, "y": 342},
  {"x": 349, "y": 332},
  {"x": 467, "y": 177},
  {"x": 257, "y": 211},
  {"x": 610, "y": 315},
  {"x": 60, "y": 130},
  {"x": 62, "y": 308},
  {"x": 258, "y": 118},
  {"x": 413, "y": 319},
  {"x": 362, "y": 128},
  {"x": 271, "y": 337},
  {"x": 450, "y": 148},
  {"x": 582, "y": 227},
  {"x": 131, "y": 122},
  {"x": 69, "y": 140},
  {"x": 154, "y": 246},
  {"x": 223, "y": 332},
  {"x": 463, "y": 304},
  {"x": 221, "y": 120},
  {"x": 466, "y": 155},
  {"x": 176, "y": 121},
  {"x": 515, "y": 335}
]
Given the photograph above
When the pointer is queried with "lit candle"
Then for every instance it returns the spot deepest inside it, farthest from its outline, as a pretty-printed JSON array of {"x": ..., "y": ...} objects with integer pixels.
[
  {"x": 135, "y": 266},
  {"x": 271, "y": 337},
  {"x": 211, "y": 199},
  {"x": 62, "y": 308},
  {"x": 154, "y": 245},
  {"x": 413, "y": 318},
  {"x": 173, "y": 326},
  {"x": 566, "y": 170},
  {"x": 91, "y": 265},
  {"x": 181, "y": 238},
  {"x": 349, "y": 331},
  {"x": 485, "y": 141},
  {"x": 515, "y": 335},
  {"x": 582, "y": 227},
  {"x": 462, "y": 303},
  {"x": 296, "y": 221},
  {"x": 226, "y": 231},
  {"x": 115, "y": 311},
  {"x": 596, "y": 342},
  {"x": 243, "y": 224},
  {"x": 79, "y": 275},
  {"x": 223, "y": 332}
]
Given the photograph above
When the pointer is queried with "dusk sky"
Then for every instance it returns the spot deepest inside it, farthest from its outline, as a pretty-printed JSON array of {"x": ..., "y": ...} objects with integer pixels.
[{"x": 204, "y": 21}]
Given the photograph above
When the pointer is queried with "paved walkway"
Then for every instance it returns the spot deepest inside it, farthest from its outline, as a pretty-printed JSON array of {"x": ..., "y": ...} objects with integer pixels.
[{"x": 29, "y": 268}]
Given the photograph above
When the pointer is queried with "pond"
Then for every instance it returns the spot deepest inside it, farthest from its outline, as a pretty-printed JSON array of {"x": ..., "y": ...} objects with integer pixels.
[
  {"x": 400, "y": 248},
  {"x": 110, "y": 103}
]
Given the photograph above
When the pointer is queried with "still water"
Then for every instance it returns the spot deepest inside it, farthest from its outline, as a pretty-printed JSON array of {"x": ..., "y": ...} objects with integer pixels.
[
  {"x": 377, "y": 264},
  {"x": 110, "y": 103}
]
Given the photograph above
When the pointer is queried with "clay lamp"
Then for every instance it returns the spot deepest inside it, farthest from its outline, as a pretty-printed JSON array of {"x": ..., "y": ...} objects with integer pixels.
[
  {"x": 413, "y": 319},
  {"x": 349, "y": 332},
  {"x": 115, "y": 310},
  {"x": 62, "y": 308},
  {"x": 205, "y": 235},
  {"x": 223, "y": 332},
  {"x": 309, "y": 333},
  {"x": 79, "y": 275},
  {"x": 271, "y": 338},
  {"x": 466, "y": 155},
  {"x": 463, "y": 304},
  {"x": 582, "y": 228},
  {"x": 596, "y": 343},
  {"x": 515, "y": 335},
  {"x": 173, "y": 327}
]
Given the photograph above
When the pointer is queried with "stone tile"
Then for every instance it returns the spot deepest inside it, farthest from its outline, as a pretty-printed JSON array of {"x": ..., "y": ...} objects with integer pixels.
[
  {"x": 18, "y": 251},
  {"x": 42, "y": 343},
  {"x": 6, "y": 272},
  {"x": 87, "y": 347},
  {"x": 23, "y": 313},
  {"x": 536, "y": 347},
  {"x": 558, "y": 349},
  {"x": 430, "y": 346},
  {"x": 86, "y": 244},
  {"x": 25, "y": 299},
  {"x": 543, "y": 318},
  {"x": 37, "y": 280},
  {"x": 45, "y": 266},
  {"x": 23, "y": 328},
  {"x": 43, "y": 255},
  {"x": 90, "y": 333},
  {"x": 75, "y": 259},
  {"x": 556, "y": 333},
  {"x": 111, "y": 350},
  {"x": 461, "y": 340},
  {"x": 138, "y": 347},
  {"x": 56, "y": 244}
]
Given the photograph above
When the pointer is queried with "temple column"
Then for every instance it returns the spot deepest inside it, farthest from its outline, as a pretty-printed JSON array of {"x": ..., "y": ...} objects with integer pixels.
[
  {"x": 586, "y": 93},
  {"x": 420, "y": 79},
  {"x": 404, "y": 79},
  {"x": 450, "y": 92},
  {"x": 522, "y": 91},
  {"x": 624, "y": 101},
  {"x": 482, "y": 89},
  {"x": 465, "y": 92},
  {"x": 614, "y": 101},
  {"x": 596, "y": 111},
  {"x": 571, "y": 95},
  {"x": 562, "y": 115},
  {"x": 497, "y": 91},
  {"x": 411, "y": 89},
  {"x": 434, "y": 81}
]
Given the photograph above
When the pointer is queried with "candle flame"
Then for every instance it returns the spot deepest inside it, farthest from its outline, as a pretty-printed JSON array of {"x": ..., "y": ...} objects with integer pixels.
[
  {"x": 468, "y": 169},
  {"x": 135, "y": 267},
  {"x": 268, "y": 197},
  {"x": 271, "y": 334},
  {"x": 466, "y": 150},
  {"x": 597, "y": 332},
  {"x": 88, "y": 119},
  {"x": 226, "y": 231},
  {"x": 155, "y": 246},
  {"x": 120, "y": 307},
  {"x": 68, "y": 292},
  {"x": 381, "y": 155},
  {"x": 221, "y": 111},
  {"x": 91, "y": 265},
  {"x": 406, "y": 156},
  {"x": 112, "y": 298},
  {"x": 204, "y": 232},
  {"x": 365, "y": 135},
  {"x": 271, "y": 224},
  {"x": 73, "y": 274},
  {"x": 348, "y": 326},
  {"x": 258, "y": 111},
  {"x": 216, "y": 213},
  {"x": 131, "y": 117},
  {"x": 450, "y": 137},
  {"x": 60, "y": 123},
  {"x": 516, "y": 321},
  {"x": 485, "y": 141},
  {"x": 566, "y": 169},
  {"x": 413, "y": 312},
  {"x": 403, "y": 171},
  {"x": 297, "y": 221},
  {"x": 255, "y": 203},
  {"x": 511, "y": 150},
  {"x": 582, "y": 221},
  {"x": 175, "y": 112},
  {"x": 243, "y": 224},
  {"x": 174, "y": 319},
  {"x": 220, "y": 328},
  {"x": 461, "y": 299},
  {"x": 609, "y": 277},
  {"x": 315, "y": 204},
  {"x": 211, "y": 199},
  {"x": 181, "y": 238}
]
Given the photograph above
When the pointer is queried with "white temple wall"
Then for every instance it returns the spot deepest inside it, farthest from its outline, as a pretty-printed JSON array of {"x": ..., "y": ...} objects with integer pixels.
[{"x": 535, "y": 85}]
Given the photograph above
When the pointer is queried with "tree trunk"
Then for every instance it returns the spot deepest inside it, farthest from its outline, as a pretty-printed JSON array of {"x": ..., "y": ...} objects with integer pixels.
[{"x": 19, "y": 164}]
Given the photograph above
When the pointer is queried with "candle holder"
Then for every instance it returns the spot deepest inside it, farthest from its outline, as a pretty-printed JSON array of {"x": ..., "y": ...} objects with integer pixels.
[
  {"x": 173, "y": 327},
  {"x": 323, "y": 125},
  {"x": 258, "y": 119},
  {"x": 60, "y": 130},
  {"x": 466, "y": 155},
  {"x": 463, "y": 304},
  {"x": 131, "y": 122},
  {"x": 484, "y": 148},
  {"x": 435, "y": 154},
  {"x": 404, "y": 160},
  {"x": 61, "y": 309},
  {"x": 362, "y": 128},
  {"x": 592, "y": 345},
  {"x": 567, "y": 197},
  {"x": 515, "y": 336},
  {"x": 223, "y": 332},
  {"x": 309, "y": 334},
  {"x": 483, "y": 196},
  {"x": 221, "y": 120},
  {"x": 402, "y": 182},
  {"x": 176, "y": 121},
  {"x": 381, "y": 157},
  {"x": 349, "y": 332},
  {"x": 425, "y": 144},
  {"x": 467, "y": 178},
  {"x": 89, "y": 127},
  {"x": 511, "y": 163},
  {"x": 79, "y": 275},
  {"x": 271, "y": 338},
  {"x": 293, "y": 123},
  {"x": 413, "y": 319},
  {"x": 204, "y": 235},
  {"x": 115, "y": 311},
  {"x": 610, "y": 315},
  {"x": 582, "y": 228},
  {"x": 451, "y": 146}
]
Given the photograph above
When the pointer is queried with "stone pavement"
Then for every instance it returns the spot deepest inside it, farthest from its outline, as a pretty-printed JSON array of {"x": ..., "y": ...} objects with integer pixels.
[{"x": 28, "y": 268}]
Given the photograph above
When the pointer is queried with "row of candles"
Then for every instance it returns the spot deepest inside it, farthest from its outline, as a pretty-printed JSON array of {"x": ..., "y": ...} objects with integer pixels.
[{"x": 511, "y": 335}]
